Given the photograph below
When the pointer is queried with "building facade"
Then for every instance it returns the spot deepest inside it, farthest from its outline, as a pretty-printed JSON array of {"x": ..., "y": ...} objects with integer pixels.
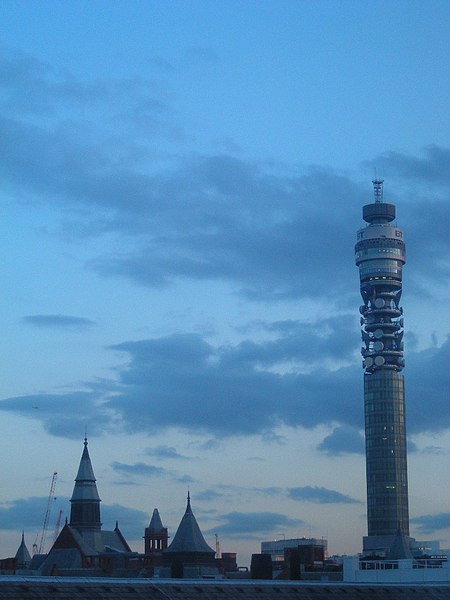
[
  {"x": 276, "y": 548},
  {"x": 380, "y": 256}
]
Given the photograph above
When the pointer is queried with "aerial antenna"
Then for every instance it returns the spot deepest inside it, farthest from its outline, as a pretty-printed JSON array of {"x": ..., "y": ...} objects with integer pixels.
[{"x": 378, "y": 188}]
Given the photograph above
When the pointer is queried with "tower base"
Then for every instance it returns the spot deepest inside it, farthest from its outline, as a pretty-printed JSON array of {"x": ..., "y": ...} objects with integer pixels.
[{"x": 381, "y": 545}]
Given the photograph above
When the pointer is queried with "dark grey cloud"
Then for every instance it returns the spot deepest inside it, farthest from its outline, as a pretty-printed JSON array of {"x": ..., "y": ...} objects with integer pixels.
[
  {"x": 139, "y": 469},
  {"x": 165, "y": 452},
  {"x": 253, "y": 525},
  {"x": 426, "y": 524},
  {"x": 135, "y": 472},
  {"x": 59, "y": 321},
  {"x": 271, "y": 234},
  {"x": 66, "y": 414},
  {"x": 245, "y": 227},
  {"x": 343, "y": 440},
  {"x": 320, "y": 495},
  {"x": 431, "y": 167},
  {"x": 187, "y": 382},
  {"x": 184, "y": 382},
  {"x": 132, "y": 522},
  {"x": 28, "y": 514}
]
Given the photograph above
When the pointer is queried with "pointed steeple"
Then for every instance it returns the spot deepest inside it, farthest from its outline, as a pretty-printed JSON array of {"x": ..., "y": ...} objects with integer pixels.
[
  {"x": 85, "y": 509},
  {"x": 156, "y": 536},
  {"x": 155, "y": 522},
  {"x": 23, "y": 557},
  {"x": 189, "y": 538}
]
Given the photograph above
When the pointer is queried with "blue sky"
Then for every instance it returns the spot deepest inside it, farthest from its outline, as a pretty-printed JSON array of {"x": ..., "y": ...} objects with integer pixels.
[{"x": 182, "y": 185}]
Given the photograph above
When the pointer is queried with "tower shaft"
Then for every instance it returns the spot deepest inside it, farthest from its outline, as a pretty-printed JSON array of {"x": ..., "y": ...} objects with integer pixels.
[{"x": 380, "y": 256}]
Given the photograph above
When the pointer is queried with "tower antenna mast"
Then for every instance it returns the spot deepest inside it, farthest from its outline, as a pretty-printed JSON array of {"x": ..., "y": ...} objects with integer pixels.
[{"x": 378, "y": 189}]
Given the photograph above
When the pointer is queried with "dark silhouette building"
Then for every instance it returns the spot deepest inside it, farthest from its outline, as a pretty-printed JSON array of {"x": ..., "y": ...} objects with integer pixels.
[
  {"x": 155, "y": 536},
  {"x": 22, "y": 557},
  {"x": 82, "y": 543},
  {"x": 380, "y": 256},
  {"x": 189, "y": 555}
]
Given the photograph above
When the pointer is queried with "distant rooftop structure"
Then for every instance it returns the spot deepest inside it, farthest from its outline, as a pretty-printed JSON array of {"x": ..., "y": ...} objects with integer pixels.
[
  {"x": 23, "y": 557},
  {"x": 155, "y": 522},
  {"x": 188, "y": 537},
  {"x": 276, "y": 547}
]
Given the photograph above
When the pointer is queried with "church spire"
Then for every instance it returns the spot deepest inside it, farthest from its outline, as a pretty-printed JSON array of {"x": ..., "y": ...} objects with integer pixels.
[{"x": 85, "y": 501}]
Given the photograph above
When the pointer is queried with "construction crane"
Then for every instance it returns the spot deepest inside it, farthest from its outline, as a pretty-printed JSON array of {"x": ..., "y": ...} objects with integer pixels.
[
  {"x": 38, "y": 549},
  {"x": 57, "y": 526}
]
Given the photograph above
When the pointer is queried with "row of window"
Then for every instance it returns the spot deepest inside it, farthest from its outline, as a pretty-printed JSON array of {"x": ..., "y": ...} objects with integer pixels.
[
  {"x": 399, "y": 476},
  {"x": 377, "y": 251},
  {"x": 394, "y": 463},
  {"x": 392, "y": 417},
  {"x": 392, "y": 511},
  {"x": 369, "y": 269},
  {"x": 382, "y": 242},
  {"x": 378, "y": 442},
  {"x": 383, "y": 501},
  {"x": 380, "y": 430},
  {"x": 383, "y": 380},
  {"x": 395, "y": 395}
]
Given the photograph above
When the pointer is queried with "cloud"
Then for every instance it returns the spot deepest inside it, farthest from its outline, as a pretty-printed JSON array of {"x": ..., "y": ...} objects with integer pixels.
[
  {"x": 138, "y": 469},
  {"x": 430, "y": 168},
  {"x": 28, "y": 514},
  {"x": 182, "y": 381},
  {"x": 343, "y": 440},
  {"x": 430, "y": 523},
  {"x": 270, "y": 491},
  {"x": 144, "y": 470},
  {"x": 435, "y": 450},
  {"x": 208, "y": 496},
  {"x": 66, "y": 415},
  {"x": 320, "y": 495},
  {"x": 253, "y": 525},
  {"x": 165, "y": 452},
  {"x": 58, "y": 321},
  {"x": 132, "y": 522},
  {"x": 271, "y": 234}
]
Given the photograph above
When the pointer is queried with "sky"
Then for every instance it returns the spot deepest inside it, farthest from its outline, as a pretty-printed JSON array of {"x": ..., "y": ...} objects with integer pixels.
[{"x": 182, "y": 183}]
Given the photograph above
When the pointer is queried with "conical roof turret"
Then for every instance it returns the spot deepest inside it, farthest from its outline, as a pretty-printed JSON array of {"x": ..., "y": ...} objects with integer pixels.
[
  {"x": 188, "y": 537},
  {"x": 156, "y": 525},
  {"x": 23, "y": 557},
  {"x": 85, "y": 501}
]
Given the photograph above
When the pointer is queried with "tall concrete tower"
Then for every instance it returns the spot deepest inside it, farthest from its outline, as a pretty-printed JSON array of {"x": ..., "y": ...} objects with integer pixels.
[{"x": 380, "y": 256}]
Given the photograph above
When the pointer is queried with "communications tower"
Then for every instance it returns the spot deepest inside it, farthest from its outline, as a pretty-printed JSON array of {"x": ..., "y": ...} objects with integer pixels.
[{"x": 380, "y": 256}]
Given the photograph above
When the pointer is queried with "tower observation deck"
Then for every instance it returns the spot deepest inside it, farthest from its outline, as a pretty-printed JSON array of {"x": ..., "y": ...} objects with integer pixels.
[{"x": 380, "y": 256}]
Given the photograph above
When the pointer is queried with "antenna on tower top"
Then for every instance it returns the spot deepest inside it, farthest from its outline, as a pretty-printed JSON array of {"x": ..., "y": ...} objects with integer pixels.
[{"x": 378, "y": 189}]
